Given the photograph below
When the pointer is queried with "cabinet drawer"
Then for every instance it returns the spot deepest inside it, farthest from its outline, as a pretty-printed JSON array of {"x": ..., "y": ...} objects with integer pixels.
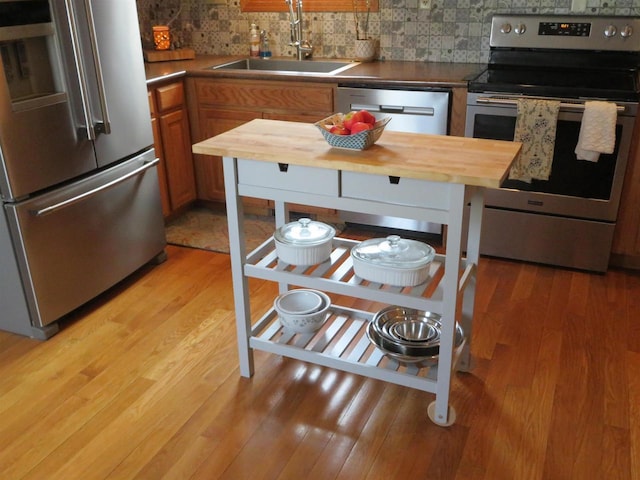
[
  {"x": 397, "y": 190},
  {"x": 294, "y": 178},
  {"x": 170, "y": 96},
  {"x": 267, "y": 95}
]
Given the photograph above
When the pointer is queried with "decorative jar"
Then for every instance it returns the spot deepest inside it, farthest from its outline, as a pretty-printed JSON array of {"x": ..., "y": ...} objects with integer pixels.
[{"x": 161, "y": 37}]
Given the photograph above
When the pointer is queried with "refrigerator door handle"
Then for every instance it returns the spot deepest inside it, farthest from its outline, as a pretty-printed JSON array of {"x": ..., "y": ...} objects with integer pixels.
[
  {"x": 70, "y": 201},
  {"x": 81, "y": 72},
  {"x": 105, "y": 125}
]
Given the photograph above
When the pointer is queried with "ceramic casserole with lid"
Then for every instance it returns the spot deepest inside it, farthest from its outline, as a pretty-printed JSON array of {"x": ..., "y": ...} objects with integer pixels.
[
  {"x": 304, "y": 242},
  {"x": 392, "y": 260}
]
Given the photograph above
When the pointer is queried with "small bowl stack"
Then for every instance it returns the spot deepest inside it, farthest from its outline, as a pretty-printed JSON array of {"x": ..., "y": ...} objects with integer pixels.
[
  {"x": 302, "y": 310},
  {"x": 409, "y": 336}
]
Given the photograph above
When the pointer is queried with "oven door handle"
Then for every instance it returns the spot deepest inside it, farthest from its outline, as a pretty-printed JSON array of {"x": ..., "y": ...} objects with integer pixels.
[{"x": 566, "y": 106}]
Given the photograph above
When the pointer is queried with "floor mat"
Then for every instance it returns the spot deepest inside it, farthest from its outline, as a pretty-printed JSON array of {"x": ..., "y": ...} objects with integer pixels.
[{"x": 207, "y": 229}]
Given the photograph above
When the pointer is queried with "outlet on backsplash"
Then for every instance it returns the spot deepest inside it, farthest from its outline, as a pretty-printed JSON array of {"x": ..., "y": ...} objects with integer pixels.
[{"x": 424, "y": 4}]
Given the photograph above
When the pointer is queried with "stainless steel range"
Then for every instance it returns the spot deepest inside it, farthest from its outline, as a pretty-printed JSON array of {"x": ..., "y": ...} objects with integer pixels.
[{"x": 568, "y": 218}]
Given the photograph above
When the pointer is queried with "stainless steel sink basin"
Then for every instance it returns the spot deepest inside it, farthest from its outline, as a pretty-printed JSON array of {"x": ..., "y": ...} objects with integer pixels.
[{"x": 298, "y": 67}]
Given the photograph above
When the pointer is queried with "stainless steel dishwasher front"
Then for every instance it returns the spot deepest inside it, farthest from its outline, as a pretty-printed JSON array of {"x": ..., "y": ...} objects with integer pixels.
[{"x": 419, "y": 110}]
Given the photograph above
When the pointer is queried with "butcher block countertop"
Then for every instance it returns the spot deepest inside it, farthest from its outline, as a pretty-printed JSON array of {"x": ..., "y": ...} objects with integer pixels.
[{"x": 439, "y": 158}]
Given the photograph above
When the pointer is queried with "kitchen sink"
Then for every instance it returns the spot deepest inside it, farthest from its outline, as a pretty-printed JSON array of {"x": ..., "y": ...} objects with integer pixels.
[{"x": 288, "y": 66}]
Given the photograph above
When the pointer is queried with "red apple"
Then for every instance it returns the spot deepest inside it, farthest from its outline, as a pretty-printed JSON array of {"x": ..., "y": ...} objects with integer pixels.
[
  {"x": 339, "y": 130},
  {"x": 367, "y": 117},
  {"x": 351, "y": 118},
  {"x": 360, "y": 126}
]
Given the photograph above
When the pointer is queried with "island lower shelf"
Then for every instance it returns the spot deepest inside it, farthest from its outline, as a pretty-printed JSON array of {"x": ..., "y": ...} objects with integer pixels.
[{"x": 342, "y": 344}]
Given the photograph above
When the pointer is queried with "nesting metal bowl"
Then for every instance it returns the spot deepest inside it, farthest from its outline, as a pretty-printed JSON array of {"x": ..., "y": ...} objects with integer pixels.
[{"x": 409, "y": 335}]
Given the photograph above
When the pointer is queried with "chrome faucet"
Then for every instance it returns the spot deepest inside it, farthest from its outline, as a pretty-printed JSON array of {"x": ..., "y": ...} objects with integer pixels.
[{"x": 304, "y": 49}]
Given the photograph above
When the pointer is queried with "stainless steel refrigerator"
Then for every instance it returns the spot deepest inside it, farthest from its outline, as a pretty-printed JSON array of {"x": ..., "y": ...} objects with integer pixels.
[{"x": 78, "y": 177}]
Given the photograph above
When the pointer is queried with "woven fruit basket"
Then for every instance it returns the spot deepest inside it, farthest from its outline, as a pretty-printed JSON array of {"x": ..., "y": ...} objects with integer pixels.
[{"x": 357, "y": 141}]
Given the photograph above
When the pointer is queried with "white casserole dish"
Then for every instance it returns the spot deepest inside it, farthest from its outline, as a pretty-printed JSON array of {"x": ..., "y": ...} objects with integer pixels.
[
  {"x": 305, "y": 242},
  {"x": 392, "y": 261}
]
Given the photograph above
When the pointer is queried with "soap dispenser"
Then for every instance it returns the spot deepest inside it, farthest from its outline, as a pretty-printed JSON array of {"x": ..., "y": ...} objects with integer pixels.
[
  {"x": 265, "y": 50},
  {"x": 254, "y": 41}
]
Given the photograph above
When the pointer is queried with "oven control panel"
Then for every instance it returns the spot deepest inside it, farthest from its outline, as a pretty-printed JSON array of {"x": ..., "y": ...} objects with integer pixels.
[
  {"x": 570, "y": 29},
  {"x": 566, "y": 32}
]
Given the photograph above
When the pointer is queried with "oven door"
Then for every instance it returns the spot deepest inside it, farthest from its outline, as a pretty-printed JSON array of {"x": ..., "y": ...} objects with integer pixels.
[
  {"x": 568, "y": 220},
  {"x": 576, "y": 188}
]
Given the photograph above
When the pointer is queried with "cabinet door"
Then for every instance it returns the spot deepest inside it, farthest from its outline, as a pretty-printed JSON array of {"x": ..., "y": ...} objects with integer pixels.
[
  {"x": 176, "y": 144},
  {"x": 224, "y": 104},
  {"x": 162, "y": 171},
  {"x": 214, "y": 121},
  {"x": 626, "y": 241},
  {"x": 157, "y": 145}
]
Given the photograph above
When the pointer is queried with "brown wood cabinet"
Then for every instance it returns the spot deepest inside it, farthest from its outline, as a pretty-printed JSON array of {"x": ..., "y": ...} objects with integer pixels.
[
  {"x": 626, "y": 241},
  {"x": 217, "y": 105},
  {"x": 172, "y": 141}
]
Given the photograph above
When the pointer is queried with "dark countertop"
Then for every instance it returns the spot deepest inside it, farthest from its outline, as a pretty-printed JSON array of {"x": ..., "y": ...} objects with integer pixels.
[{"x": 372, "y": 73}]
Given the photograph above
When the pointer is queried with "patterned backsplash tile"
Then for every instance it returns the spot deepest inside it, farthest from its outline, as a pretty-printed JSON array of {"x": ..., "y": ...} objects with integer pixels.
[{"x": 449, "y": 31}]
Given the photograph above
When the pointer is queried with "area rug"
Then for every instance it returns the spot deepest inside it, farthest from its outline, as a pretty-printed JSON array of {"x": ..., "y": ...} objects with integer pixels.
[{"x": 207, "y": 229}]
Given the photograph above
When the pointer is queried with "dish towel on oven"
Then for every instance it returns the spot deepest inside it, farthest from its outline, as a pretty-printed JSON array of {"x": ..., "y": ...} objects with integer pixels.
[
  {"x": 597, "y": 131},
  {"x": 536, "y": 129}
]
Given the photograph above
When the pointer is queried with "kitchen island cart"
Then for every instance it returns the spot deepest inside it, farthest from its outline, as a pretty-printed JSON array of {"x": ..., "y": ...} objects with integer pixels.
[{"x": 424, "y": 177}]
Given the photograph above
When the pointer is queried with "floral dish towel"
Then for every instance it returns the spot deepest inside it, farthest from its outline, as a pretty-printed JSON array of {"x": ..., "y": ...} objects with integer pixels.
[{"x": 536, "y": 129}]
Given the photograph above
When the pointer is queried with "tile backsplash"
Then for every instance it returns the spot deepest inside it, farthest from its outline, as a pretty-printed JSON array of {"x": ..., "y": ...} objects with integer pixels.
[{"x": 449, "y": 31}]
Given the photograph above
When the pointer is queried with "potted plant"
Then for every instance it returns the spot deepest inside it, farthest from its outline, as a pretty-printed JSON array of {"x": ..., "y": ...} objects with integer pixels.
[{"x": 365, "y": 46}]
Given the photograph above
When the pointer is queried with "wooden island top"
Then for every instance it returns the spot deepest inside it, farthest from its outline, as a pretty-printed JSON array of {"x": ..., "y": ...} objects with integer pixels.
[{"x": 440, "y": 158}]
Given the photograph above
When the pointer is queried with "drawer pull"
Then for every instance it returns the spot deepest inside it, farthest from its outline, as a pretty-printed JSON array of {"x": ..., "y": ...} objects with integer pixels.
[
  {"x": 394, "y": 180},
  {"x": 283, "y": 167}
]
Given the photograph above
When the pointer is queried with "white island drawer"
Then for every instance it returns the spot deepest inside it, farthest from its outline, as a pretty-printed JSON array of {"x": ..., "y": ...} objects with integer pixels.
[
  {"x": 397, "y": 190},
  {"x": 295, "y": 178}
]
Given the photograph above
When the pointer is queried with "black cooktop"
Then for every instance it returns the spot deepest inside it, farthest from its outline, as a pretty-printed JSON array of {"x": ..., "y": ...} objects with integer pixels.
[
  {"x": 621, "y": 86},
  {"x": 595, "y": 75}
]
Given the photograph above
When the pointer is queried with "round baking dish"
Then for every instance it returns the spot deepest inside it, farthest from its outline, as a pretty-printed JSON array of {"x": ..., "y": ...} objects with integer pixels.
[
  {"x": 304, "y": 242},
  {"x": 393, "y": 261}
]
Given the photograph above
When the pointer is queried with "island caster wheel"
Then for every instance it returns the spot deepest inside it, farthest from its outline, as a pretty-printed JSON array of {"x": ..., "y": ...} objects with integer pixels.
[{"x": 451, "y": 415}]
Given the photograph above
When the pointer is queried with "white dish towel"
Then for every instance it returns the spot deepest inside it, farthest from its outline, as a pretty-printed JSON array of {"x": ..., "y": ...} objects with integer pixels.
[{"x": 598, "y": 130}]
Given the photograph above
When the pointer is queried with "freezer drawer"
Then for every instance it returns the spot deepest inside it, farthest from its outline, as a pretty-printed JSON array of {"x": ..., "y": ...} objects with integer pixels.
[{"x": 75, "y": 242}]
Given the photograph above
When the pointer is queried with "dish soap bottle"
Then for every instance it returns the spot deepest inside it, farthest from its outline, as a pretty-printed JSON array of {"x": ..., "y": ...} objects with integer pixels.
[
  {"x": 265, "y": 51},
  {"x": 254, "y": 41}
]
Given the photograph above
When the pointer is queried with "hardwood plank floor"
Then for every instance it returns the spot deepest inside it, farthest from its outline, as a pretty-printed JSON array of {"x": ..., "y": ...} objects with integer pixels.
[{"x": 143, "y": 383}]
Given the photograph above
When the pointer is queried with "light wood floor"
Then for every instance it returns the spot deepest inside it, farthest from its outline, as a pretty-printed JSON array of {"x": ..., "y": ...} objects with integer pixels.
[{"x": 143, "y": 384}]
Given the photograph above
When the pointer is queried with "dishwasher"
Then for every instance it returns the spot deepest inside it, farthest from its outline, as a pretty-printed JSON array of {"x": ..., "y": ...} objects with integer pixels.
[{"x": 419, "y": 110}]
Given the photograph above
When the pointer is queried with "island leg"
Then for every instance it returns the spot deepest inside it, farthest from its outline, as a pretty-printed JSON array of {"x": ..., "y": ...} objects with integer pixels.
[
  {"x": 473, "y": 257},
  {"x": 439, "y": 411},
  {"x": 237, "y": 252}
]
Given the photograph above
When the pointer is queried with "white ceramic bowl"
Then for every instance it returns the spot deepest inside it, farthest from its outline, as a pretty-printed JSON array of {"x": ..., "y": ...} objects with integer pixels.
[
  {"x": 299, "y": 301},
  {"x": 305, "y": 322}
]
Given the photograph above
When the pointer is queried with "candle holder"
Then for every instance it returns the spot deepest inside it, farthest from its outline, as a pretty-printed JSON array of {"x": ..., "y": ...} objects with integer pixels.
[{"x": 161, "y": 37}]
